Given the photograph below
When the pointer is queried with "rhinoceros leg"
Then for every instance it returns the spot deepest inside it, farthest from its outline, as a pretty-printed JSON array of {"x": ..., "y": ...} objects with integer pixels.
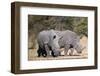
[
  {"x": 66, "y": 49},
  {"x": 71, "y": 53},
  {"x": 44, "y": 54},
  {"x": 41, "y": 52},
  {"x": 47, "y": 49},
  {"x": 79, "y": 48},
  {"x": 72, "y": 49}
]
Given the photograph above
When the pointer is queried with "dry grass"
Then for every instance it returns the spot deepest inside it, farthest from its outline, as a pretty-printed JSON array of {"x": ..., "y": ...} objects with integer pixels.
[{"x": 32, "y": 54}]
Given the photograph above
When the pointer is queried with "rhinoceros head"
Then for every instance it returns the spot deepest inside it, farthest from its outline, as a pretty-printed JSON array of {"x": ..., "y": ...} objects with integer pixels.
[
  {"x": 80, "y": 48},
  {"x": 54, "y": 39}
]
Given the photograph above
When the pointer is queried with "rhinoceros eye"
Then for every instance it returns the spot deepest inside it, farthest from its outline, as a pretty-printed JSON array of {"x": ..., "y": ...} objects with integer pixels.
[{"x": 54, "y": 36}]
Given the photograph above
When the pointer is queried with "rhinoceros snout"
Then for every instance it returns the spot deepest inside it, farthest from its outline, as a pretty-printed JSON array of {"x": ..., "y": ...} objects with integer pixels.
[{"x": 55, "y": 53}]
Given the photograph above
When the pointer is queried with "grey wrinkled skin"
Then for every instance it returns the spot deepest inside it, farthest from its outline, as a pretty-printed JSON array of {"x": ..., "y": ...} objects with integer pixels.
[
  {"x": 69, "y": 40},
  {"x": 48, "y": 41},
  {"x": 53, "y": 40}
]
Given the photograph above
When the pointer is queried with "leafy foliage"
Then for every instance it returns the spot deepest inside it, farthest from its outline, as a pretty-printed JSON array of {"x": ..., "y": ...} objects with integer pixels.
[{"x": 37, "y": 23}]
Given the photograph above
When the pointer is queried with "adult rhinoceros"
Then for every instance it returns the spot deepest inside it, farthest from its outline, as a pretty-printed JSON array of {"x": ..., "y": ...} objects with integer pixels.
[
  {"x": 48, "y": 41},
  {"x": 69, "y": 40},
  {"x": 54, "y": 40}
]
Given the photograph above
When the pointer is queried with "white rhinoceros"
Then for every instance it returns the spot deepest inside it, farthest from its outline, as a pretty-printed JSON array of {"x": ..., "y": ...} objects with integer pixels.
[
  {"x": 48, "y": 41},
  {"x": 53, "y": 40},
  {"x": 69, "y": 40}
]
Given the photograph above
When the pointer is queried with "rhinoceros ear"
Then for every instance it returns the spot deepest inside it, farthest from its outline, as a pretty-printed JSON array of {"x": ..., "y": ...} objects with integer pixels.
[{"x": 54, "y": 36}]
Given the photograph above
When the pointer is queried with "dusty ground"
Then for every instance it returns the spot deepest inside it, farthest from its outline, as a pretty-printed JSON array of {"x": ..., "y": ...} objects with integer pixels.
[{"x": 32, "y": 54}]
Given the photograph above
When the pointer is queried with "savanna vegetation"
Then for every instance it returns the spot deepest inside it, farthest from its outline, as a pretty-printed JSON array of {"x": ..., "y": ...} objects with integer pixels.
[{"x": 37, "y": 23}]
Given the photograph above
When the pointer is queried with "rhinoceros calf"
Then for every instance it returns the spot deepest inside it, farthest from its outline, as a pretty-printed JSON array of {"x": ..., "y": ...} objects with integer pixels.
[
  {"x": 69, "y": 40},
  {"x": 48, "y": 41}
]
